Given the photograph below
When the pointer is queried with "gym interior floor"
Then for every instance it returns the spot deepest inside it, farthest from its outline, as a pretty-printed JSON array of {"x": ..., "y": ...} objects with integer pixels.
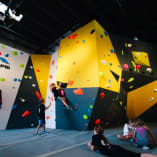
[{"x": 59, "y": 143}]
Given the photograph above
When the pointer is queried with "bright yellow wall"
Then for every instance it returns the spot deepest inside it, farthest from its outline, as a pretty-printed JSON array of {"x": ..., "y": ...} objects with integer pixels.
[
  {"x": 141, "y": 58},
  {"x": 139, "y": 100},
  {"x": 104, "y": 45},
  {"x": 41, "y": 64},
  {"x": 77, "y": 61},
  {"x": 81, "y": 62}
]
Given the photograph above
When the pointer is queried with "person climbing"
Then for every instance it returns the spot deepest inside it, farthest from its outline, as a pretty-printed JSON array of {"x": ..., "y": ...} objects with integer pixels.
[
  {"x": 41, "y": 117},
  {"x": 59, "y": 94}
]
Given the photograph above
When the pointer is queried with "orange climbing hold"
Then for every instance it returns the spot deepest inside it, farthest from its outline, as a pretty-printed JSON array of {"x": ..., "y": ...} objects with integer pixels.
[
  {"x": 70, "y": 83},
  {"x": 78, "y": 91}
]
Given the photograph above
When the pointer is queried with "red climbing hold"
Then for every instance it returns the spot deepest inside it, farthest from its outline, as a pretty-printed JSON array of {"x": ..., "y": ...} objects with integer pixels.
[
  {"x": 53, "y": 62},
  {"x": 97, "y": 121},
  {"x": 26, "y": 113},
  {"x": 38, "y": 95},
  {"x": 74, "y": 36},
  {"x": 102, "y": 95}
]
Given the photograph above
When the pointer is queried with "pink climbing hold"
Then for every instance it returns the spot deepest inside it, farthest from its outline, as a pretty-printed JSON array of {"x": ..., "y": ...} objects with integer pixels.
[
  {"x": 122, "y": 79},
  {"x": 69, "y": 37},
  {"x": 138, "y": 66},
  {"x": 125, "y": 66}
]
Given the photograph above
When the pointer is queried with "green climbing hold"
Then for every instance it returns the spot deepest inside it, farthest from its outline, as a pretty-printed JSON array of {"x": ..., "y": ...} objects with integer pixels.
[
  {"x": 3, "y": 46},
  {"x": 116, "y": 97},
  {"x": 26, "y": 77},
  {"x": 122, "y": 53},
  {"x": 131, "y": 86},
  {"x": 130, "y": 79},
  {"x": 85, "y": 116},
  {"x": 101, "y": 74},
  {"x": 15, "y": 53},
  {"x": 126, "y": 45},
  {"x": 121, "y": 103},
  {"x": 2, "y": 79},
  {"x": 91, "y": 106},
  {"x": 21, "y": 65}
]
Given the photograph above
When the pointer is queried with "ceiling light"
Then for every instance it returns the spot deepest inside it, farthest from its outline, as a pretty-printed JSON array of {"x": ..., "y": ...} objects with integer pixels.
[{"x": 12, "y": 13}]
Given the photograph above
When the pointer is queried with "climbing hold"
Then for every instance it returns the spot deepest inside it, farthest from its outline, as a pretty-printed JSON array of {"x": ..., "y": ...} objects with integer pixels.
[
  {"x": 126, "y": 45},
  {"x": 122, "y": 79},
  {"x": 104, "y": 62},
  {"x": 38, "y": 95},
  {"x": 83, "y": 41},
  {"x": 78, "y": 91},
  {"x": 102, "y": 95},
  {"x": 131, "y": 86},
  {"x": 69, "y": 37},
  {"x": 15, "y": 53},
  {"x": 125, "y": 66},
  {"x": 101, "y": 74},
  {"x": 129, "y": 45},
  {"x": 91, "y": 106},
  {"x": 15, "y": 79},
  {"x": 106, "y": 33},
  {"x": 107, "y": 85},
  {"x": 2, "y": 79},
  {"x": 38, "y": 70},
  {"x": 111, "y": 50},
  {"x": 101, "y": 36},
  {"x": 138, "y": 66},
  {"x": 21, "y": 65},
  {"x": 122, "y": 52},
  {"x": 97, "y": 121},
  {"x": 7, "y": 55},
  {"x": 130, "y": 79},
  {"x": 47, "y": 117},
  {"x": 155, "y": 90},
  {"x": 53, "y": 62},
  {"x": 26, "y": 113},
  {"x": 74, "y": 36},
  {"x": 85, "y": 117},
  {"x": 70, "y": 83},
  {"x": 151, "y": 99},
  {"x": 149, "y": 70}
]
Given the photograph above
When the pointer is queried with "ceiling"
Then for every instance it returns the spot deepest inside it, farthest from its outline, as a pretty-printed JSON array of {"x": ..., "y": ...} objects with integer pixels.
[{"x": 46, "y": 21}]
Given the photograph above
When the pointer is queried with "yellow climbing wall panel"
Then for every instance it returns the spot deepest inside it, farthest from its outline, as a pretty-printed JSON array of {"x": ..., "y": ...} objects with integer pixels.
[
  {"x": 108, "y": 61},
  {"x": 41, "y": 64},
  {"x": 77, "y": 59},
  {"x": 141, "y": 58},
  {"x": 141, "y": 99},
  {"x": 81, "y": 59}
]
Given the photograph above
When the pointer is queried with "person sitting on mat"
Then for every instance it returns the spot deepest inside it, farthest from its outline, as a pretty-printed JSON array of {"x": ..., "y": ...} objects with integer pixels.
[
  {"x": 60, "y": 94},
  {"x": 100, "y": 142},
  {"x": 128, "y": 131},
  {"x": 143, "y": 136}
]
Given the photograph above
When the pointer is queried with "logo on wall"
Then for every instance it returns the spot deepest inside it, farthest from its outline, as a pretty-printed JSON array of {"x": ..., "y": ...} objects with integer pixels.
[{"x": 4, "y": 64}]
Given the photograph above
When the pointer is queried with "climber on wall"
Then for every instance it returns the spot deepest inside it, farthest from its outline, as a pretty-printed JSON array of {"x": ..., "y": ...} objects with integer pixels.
[{"x": 59, "y": 94}]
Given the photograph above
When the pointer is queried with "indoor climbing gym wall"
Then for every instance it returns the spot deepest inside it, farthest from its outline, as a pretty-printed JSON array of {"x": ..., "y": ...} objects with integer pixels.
[
  {"x": 88, "y": 63},
  {"x": 103, "y": 72},
  {"x": 50, "y": 114},
  {"x": 12, "y": 66}
]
